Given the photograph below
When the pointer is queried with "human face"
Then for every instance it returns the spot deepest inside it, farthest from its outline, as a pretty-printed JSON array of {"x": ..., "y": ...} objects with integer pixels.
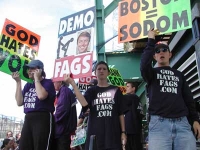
[
  {"x": 31, "y": 72},
  {"x": 162, "y": 56},
  {"x": 57, "y": 85},
  {"x": 10, "y": 144},
  {"x": 130, "y": 89},
  {"x": 101, "y": 71},
  {"x": 9, "y": 134},
  {"x": 82, "y": 44}
]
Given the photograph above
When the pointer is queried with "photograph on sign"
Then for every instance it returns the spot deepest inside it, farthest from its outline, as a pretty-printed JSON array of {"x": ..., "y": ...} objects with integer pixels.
[
  {"x": 136, "y": 18},
  {"x": 84, "y": 41}
]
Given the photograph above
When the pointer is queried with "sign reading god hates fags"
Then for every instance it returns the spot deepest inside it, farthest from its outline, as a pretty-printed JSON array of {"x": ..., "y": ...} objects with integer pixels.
[
  {"x": 78, "y": 66},
  {"x": 18, "y": 46},
  {"x": 137, "y": 17}
]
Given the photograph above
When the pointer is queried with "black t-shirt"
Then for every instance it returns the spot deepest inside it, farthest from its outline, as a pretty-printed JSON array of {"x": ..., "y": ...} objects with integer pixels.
[
  {"x": 106, "y": 105},
  {"x": 133, "y": 118},
  {"x": 168, "y": 92}
]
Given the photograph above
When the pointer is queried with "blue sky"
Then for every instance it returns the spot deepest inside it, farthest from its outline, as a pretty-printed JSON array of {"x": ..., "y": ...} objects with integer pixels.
[{"x": 41, "y": 17}]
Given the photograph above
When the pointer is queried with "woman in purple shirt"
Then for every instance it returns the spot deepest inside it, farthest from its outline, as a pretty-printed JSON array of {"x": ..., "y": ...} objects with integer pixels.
[{"x": 38, "y": 101}]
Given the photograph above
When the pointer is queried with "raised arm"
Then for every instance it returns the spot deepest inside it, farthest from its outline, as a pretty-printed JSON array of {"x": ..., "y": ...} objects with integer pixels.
[
  {"x": 147, "y": 56},
  {"x": 78, "y": 94},
  {"x": 18, "y": 94}
]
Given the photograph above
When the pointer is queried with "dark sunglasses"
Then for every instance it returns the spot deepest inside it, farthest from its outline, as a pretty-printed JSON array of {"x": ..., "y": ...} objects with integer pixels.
[{"x": 161, "y": 49}]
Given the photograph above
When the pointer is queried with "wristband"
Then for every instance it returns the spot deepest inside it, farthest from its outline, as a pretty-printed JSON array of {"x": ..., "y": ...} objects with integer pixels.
[
  {"x": 124, "y": 132},
  {"x": 37, "y": 81}
]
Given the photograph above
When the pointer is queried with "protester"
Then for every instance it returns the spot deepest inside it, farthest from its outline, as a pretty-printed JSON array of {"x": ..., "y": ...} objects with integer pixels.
[
  {"x": 106, "y": 118},
  {"x": 170, "y": 100},
  {"x": 12, "y": 143},
  {"x": 18, "y": 136},
  {"x": 133, "y": 118},
  {"x": 65, "y": 116},
  {"x": 83, "y": 42},
  {"x": 7, "y": 144},
  {"x": 9, "y": 134},
  {"x": 38, "y": 101}
]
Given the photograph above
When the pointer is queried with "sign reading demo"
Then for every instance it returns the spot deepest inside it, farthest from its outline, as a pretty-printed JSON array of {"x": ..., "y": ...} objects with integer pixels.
[
  {"x": 79, "y": 66},
  {"x": 18, "y": 46},
  {"x": 71, "y": 28},
  {"x": 137, "y": 17}
]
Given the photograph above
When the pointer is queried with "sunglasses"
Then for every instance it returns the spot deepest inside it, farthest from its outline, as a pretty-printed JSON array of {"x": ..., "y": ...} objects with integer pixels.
[{"x": 161, "y": 49}]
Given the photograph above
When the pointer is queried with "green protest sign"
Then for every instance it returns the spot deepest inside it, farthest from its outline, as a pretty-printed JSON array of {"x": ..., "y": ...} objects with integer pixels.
[
  {"x": 11, "y": 62},
  {"x": 115, "y": 78},
  {"x": 17, "y": 47}
]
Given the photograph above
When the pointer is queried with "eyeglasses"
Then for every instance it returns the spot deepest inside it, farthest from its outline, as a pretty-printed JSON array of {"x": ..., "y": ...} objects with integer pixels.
[{"x": 161, "y": 49}]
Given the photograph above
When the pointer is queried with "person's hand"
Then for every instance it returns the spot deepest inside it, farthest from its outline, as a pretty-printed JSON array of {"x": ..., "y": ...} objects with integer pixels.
[
  {"x": 152, "y": 33},
  {"x": 37, "y": 74},
  {"x": 68, "y": 79},
  {"x": 87, "y": 112},
  {"x": 15, "y": 76},
  {"x": 196, "y": 128},
  {"x": 124, "y": 140}
]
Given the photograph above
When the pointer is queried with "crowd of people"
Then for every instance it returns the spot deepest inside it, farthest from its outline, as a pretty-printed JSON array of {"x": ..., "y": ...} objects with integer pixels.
[
  {"x": 113, "y": 118},
  {"x": 10, "y": 142}
]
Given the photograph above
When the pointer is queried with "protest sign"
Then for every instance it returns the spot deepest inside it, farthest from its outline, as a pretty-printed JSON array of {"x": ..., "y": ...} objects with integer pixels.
[
  {"x": 18, "y": 46},
  {"x": 137, "y": 17}
]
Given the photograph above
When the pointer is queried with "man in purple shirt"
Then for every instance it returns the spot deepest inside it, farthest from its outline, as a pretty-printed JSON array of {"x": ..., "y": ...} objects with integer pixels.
[{"x": 65, "y": 116}]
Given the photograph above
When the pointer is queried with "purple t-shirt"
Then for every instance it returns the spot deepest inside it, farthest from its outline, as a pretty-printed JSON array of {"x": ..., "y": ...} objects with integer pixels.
[
  {"x": 65, "y": 114},
  {"x": 32, "y": 103}
]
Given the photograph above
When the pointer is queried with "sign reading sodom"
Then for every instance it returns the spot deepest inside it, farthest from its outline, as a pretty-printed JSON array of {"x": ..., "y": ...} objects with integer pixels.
[
  {"x": 137, "y": 17},
  {"x": 76, "y": 33},
  {"x": 18, "y": 46}
]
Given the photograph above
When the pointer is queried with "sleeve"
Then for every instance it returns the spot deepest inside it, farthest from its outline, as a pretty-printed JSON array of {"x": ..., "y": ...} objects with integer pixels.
[
  {"x": 189, "y": 101},
  {"x": 49, "y": 87},
  {"x": 119, "y": 98},
  {"x": 146, "y": 61},
  {"x": 64, "y": 104}
]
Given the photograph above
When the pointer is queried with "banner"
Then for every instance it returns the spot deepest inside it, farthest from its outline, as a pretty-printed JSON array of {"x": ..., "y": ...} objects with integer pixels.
[
  {"x": 76, "y": 33},
  {"x": 18, "y": 46},
  {"x": 78, "y": 66},
  {"x": 137, "y": 17}
]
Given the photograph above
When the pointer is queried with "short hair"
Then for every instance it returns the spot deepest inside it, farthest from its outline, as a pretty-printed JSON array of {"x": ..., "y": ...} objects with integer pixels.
[
  {"x": 101, "y": 63},
  {"x": 133, "y": 84},
  {"x": 86, "y": 34}
]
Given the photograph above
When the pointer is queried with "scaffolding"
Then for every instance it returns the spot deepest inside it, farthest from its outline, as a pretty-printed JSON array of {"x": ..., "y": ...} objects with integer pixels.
[{"x": 8, "y": 123}]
